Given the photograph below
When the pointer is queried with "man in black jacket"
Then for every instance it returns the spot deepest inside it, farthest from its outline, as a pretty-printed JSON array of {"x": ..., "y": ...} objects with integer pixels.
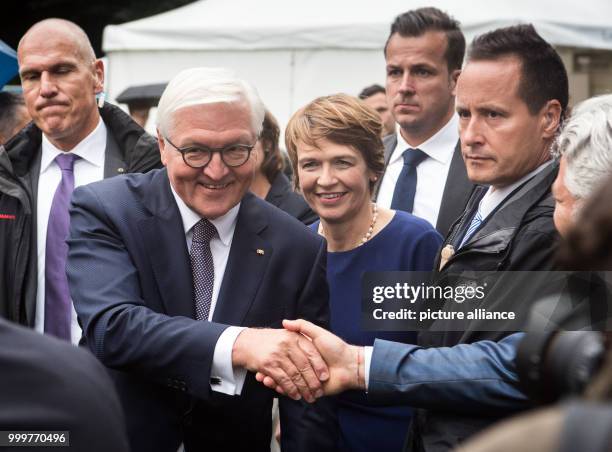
[
  {"x": 61, "y": 78},
  {"x": 511, "y": 98}
]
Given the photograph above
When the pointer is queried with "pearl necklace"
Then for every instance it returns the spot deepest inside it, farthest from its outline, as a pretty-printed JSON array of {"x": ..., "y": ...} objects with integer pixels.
[{"x": 368, "y": 234}]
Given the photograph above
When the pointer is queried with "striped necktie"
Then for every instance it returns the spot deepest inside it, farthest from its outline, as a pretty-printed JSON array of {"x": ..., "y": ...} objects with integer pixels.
[{"x": 474, "y": 225}]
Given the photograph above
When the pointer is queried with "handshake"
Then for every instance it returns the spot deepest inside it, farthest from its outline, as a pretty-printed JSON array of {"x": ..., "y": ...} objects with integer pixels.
[{"x": 301, "y": 361}]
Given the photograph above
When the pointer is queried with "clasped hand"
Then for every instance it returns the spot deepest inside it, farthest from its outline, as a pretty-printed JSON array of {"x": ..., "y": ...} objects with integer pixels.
[
  {"x": 323, "y": 364},
  {"x": 293, "y": 362}
]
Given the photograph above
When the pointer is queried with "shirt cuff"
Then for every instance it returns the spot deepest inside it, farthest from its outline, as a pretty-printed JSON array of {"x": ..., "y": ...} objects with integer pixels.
[
  {"x": 223, "y": 377},
  {"x": 367, "y": 359}
]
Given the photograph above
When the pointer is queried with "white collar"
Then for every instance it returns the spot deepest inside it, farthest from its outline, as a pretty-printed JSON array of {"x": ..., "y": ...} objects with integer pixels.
[
  {"x": 439, "y": 146},
  {"x": 494, "y": 196},
  {"x": 225, "y": 224},
  {"x": 88, "y": 149}
]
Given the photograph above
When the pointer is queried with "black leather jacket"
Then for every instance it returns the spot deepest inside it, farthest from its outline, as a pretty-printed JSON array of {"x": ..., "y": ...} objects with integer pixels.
[{"x": 518, "y": 236}]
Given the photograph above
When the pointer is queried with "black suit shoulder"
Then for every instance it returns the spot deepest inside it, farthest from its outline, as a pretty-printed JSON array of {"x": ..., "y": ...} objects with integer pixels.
[
  {"x": 139, "y": 150},
  {"x": 282, "y": 196},
  {"x": 281, "y": 225},
  {"x": 52, "y": 385},
  {"x": 135, "y": 191}
]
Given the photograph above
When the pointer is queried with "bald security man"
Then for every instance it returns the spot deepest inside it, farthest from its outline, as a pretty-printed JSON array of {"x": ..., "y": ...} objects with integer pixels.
[{"x": 71, "y": 142}]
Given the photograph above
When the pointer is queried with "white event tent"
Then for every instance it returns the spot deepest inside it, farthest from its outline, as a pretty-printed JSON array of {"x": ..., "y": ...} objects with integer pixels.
[{"x": 294, "y": 51}]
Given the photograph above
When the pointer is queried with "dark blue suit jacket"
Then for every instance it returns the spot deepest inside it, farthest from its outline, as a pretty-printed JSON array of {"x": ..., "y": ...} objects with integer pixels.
[
  {"x": 48, "y": 384},
  {"x": 130, "y": 278}
]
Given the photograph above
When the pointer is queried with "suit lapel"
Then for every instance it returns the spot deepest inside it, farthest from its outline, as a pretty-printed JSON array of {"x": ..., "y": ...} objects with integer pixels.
[
  {"x": 390, "y": 143},
  {"x": 165, "y": 244},
  {"x": 248, "y": 259},
  {"x": 457, "y": 191}
]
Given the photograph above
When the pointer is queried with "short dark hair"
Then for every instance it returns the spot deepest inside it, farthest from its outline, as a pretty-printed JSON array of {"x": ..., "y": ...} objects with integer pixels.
[
  {"x": 9, "y": 119},
  {"x": 417, "y": 22},
  {"x": 371, "y": 90},
  {"x": 272, "y": 162},
  {"x": 543, "y": 75}
]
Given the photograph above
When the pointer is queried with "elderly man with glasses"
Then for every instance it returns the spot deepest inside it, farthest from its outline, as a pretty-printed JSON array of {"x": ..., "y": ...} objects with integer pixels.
[{"x": 181, "y": 278}]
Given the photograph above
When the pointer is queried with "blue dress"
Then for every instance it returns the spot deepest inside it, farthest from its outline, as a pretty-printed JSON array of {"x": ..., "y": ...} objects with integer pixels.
[{"x": 407, "y": 243}]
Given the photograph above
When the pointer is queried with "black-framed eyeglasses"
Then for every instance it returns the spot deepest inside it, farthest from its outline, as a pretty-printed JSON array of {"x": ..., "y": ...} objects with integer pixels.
[{"x": 233, "y": 155}]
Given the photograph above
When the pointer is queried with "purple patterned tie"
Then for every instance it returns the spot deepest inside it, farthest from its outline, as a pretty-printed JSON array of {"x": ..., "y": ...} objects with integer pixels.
[
  {"x": 58, "y": 310},
  {"x": 202, "y": 267}
]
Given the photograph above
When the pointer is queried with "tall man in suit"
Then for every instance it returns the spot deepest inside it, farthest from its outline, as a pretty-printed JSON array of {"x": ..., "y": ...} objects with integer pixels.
[
  {"x": 71, "y": 142},
  {"x": 424, "y": 173},
  {"x": 168, "y": 268},
  {"x": 511, "y": 98}
]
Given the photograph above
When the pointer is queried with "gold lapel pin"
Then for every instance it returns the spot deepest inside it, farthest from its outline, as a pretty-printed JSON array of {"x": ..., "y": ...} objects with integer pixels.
[
  {"x": 447, "y": 252},
  {"x": 260, "y": 251}
]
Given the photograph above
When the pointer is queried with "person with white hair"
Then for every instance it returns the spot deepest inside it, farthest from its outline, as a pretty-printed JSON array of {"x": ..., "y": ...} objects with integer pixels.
[
  {"x": 180, "y": 277},
  {"x": 585, "y": 150}
]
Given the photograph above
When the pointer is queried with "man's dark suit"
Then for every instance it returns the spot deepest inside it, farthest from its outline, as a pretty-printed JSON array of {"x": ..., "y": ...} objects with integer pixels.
[
  {"x": 130, "y": 277},
  {"x": 282, "y": 196},
  {"x": 457, "y": 188},
  {"x": 48, "y": 384}
]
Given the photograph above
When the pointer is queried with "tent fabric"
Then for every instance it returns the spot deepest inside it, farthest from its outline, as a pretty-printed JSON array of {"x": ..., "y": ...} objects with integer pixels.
[
  {"x": 352, "y": 24},
  {"x": 294, "y": 51}
]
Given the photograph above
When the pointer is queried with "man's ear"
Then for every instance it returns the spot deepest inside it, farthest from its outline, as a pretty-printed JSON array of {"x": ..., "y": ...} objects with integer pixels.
[
  {"x": 454, "y": 76},
  {"x": 551, "y": 118},
  {"x": 98, "y": 72},
  {"x": 163, "y": 153}
]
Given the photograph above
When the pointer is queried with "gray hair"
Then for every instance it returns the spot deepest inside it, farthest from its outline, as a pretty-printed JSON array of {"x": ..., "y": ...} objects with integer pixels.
[
  {"x": 586, "y": 143},
  {"x": 200, "y": 86}
]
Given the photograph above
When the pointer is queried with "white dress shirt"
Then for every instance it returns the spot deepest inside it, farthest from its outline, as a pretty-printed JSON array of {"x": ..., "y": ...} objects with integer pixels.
[
  {"x": 230, "y": 380},
  {"x": 489, "y": 202},
  {"x": 89, "y": 168},
  {"x": 431, "y": 173}
]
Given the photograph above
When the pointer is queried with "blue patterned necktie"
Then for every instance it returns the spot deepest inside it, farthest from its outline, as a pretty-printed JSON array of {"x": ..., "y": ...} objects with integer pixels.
[
  {"x": 202, "y": 267},
  {"x": 58, "y": 310},
  {"x": 474, "y": 225},
  {"x": 405, "y": 188}
]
